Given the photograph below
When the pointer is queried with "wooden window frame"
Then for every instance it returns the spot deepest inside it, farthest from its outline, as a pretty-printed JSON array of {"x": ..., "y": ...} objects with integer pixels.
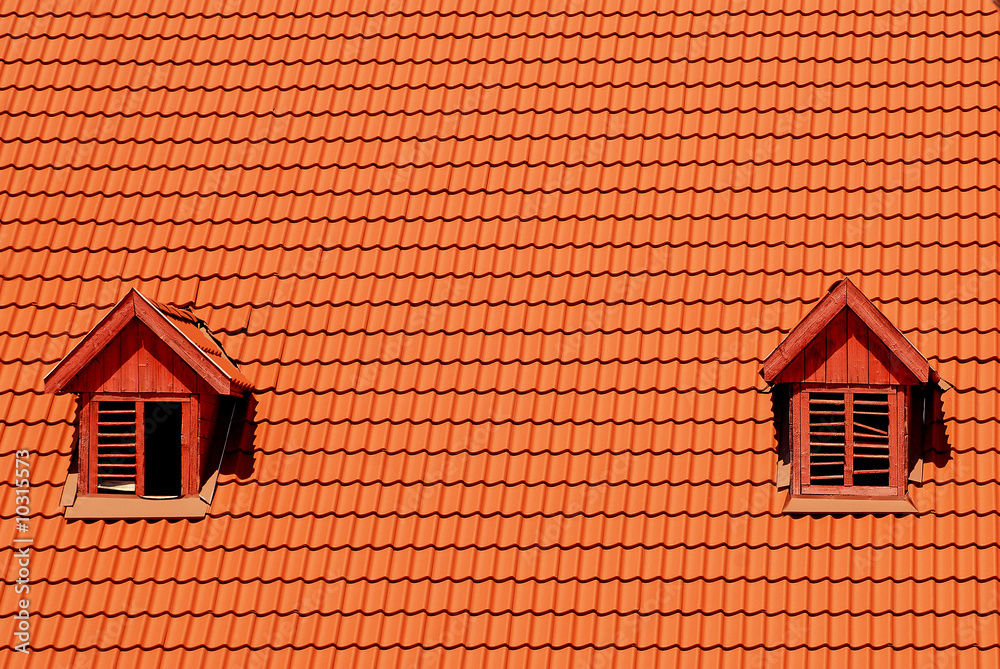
[
  {"x": 88, "y": 483},
  {"x": 898, "y": 401}
]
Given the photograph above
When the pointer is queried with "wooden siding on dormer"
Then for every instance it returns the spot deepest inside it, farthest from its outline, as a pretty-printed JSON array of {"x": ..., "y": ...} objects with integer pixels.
[
  {"x": 138, "y": 361},
  {"x": 846, "y": 351}
]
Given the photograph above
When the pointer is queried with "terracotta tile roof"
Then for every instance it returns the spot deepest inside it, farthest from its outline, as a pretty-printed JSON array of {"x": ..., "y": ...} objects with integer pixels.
[
  {"x": 504, "y": 276},
  {"x": 200, "y": 335}
]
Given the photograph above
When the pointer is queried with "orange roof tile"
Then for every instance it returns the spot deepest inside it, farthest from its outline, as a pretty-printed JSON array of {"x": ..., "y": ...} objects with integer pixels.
[{"x": 504, "y": 277}]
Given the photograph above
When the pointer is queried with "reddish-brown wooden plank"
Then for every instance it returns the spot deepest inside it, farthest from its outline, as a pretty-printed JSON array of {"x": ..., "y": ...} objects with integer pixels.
[
  {"x": 128, "y": 381},
  {"x": 843, "y": 294},
  {"x": 82, "y": 382},
  {"x": 155, "y": 366},
  {"x": 101, "y": 368},
  {"x": 179, "y": 373},
  {"x": 814, "y": 360},
  {"x": 162, "y": 376},
  {"x": 836, "y": 349},
  {"x": 179, "y": 376},
  {"x": 140, "y": 448},
  {"x": 204, "y": 388},
  {"x": 87, "y": 428},
  {"x": 161, "y": 362},
  {"x": 857, "y": 349},
  {"x": 194, "y": 356},
  {"x": 898, "y": 458},
  {"x": 168, "y": 358},
  {"x": 848, "y": 438},
  {"x": 805, "y": 332},
  {"x": 112, "y": 355},
  {"x": 98, "y": 375},
  {"x": 793, "y": 372},
  {"x": 189, "y": 446},
  {"x": 878, "y": 360},
  {"x": 146, "y": 368},
  {"x": 185, "y": 379},
  {"x": 95, "y": 341},
  {"x": 882, "y": 328},
  {"x": 899, "y": 374},
  {"x": 799, "y": 453}
]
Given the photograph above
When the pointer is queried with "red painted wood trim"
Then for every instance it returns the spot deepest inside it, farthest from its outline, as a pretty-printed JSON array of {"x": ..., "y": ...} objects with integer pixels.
[
  {"x": 102, "y": 340},
  {"x": 900, "y": 374},
  {"x": 189, "y": 447},
  {"x": 192, "y": 355},
  {"x": 140, "y": 448},
  {"x": 900, "y": 446},
  {"x": 190, "y": 471},
  {"x": 899, "y": 459},
  {"x": 894, "y": 340},
  {"x": 793, "y": 372},
  {"x": 848, "y": 438},
  {"x": 87, "y": 427},
  {"x": 96, "y": 340},
  {"x": 898, "y": 454},
  {"x": 844, "y": 294},
  {"x": 800, "y": 336},
  {"x": 145, "y": 397},
  {"x": 798, "y": 462}
]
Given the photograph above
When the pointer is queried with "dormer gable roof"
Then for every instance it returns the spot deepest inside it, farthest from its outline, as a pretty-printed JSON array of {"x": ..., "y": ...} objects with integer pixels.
[
  {"x": 178, "y": 328},
  {"x": 844, "y": 294}
]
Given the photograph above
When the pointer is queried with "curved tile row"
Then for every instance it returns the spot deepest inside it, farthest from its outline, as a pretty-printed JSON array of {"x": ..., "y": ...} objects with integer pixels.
[
  {"x": 660, "y": 597},
  {"x": 377, "y": 124},
  {"x": 478, "y": 24},
  {"x": 623, "y": 274},
  {"x": 537, "y": 186},
  {"x": 414, "y": 155},
  {"x": 554, "y": 564},
  {"x": 477, "y": 95},
  {"x": 245, "y": 51},
  {"x": 201, "y": 210},
  {"x": 529, "y": 631},
  {"x": 518, "y": 208},
  {"x": 533, "y": 9},
  {"x": 596, "y": 235},
  {"x": 554, "y": 513},
  {"x": 26, "y": 347},
  {"x": 223, "y": 532}
]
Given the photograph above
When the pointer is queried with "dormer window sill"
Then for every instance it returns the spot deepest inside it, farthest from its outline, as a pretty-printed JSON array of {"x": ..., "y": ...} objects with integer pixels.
[
  {"x": 117, "y": 507},
  {"x": 818, "y": 504}
]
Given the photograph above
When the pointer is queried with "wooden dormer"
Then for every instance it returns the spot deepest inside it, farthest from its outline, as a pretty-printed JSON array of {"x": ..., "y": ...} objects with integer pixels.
[
  {"x": 848, "y": 391},
  {"x": 846, "y": 339},
  {"x": 156, "y": 397}
]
